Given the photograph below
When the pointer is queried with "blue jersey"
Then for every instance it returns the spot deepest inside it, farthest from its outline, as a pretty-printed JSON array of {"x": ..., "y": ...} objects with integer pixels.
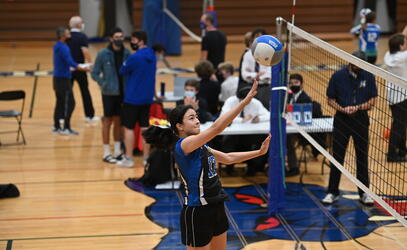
[
  {"x": 198, "y": 174},
  {"x": 368, "y": 38}
]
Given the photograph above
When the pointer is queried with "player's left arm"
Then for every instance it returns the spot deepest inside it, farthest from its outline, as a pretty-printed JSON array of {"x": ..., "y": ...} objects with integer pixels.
[{"x": 236, "y": 157}]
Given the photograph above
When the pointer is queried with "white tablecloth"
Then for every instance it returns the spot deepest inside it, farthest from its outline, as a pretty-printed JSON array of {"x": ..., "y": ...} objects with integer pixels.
[{"x": 319, "y": 125}]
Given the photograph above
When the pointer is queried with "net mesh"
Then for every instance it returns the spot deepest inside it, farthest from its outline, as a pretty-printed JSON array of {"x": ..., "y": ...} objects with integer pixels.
[{"x": 316, "y": 62}]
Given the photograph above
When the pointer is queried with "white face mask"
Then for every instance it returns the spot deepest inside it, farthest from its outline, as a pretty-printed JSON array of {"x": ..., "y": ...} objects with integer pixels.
[{"x": 189, "y": 94}]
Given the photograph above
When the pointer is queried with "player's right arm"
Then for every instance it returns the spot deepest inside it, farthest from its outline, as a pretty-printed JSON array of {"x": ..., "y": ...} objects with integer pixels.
[{"x": 193, "y": 142}]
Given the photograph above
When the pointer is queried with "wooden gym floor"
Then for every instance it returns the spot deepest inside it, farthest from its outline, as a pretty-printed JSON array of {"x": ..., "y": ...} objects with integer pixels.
[{"x": 70, "y": 199}]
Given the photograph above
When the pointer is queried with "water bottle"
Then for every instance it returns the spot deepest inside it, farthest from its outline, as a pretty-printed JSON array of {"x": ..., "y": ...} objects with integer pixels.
[{"x": 162, "y": 89}]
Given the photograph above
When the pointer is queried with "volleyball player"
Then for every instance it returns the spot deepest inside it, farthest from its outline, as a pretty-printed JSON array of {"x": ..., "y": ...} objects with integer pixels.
[{"x": 203, "y": 219}]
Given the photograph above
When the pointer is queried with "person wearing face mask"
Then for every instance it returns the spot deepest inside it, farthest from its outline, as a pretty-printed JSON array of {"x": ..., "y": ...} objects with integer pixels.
[
  {"x": 198, "y": 103},
  {"x": 78, "y": 44},
  {"x": 351, "y": 92},
  {"x": 106, "y": 73},
  {"x": 139, "y": 70}
]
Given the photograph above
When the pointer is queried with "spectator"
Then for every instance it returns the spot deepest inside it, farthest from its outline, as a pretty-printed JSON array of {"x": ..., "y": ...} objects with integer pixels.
[
  {"x": 396, "y": 62},
  {"x": 209, "y": 88},
  {"x": 351, "y": 92},
  {"x": 65, "y": 102},
  {"x": 254, "y": 112},
  {"x": 369, "y": 33},
  {"x": 106, "y": 74},
  {"x": 160, "y": 53},
  {"x": 78, "y": 43},
  {"x": 229, "y": 85},
  {"x": 247, "y": 43},
  {"x": 213, "y": 43},
  {"x": 198, "y": 103},
  {"x": 252, "y": 70},
  {"x": 139, "y": 69}
]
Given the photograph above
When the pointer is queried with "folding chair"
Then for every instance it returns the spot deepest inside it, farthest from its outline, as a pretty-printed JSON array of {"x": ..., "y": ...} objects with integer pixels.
[{"x": 13, "y": 96}]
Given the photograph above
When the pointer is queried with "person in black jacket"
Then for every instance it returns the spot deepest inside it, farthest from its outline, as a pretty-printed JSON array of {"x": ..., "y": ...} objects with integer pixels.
[
  {"x": 209, "y": 86},
  {"x": 299, "y": 96},
  {"x": 198, "y": 103}
]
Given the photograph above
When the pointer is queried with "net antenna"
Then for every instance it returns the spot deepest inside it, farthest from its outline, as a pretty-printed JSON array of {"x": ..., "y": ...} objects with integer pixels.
[
  {"x": 179, "y": 23},
  {"x": 317, "y": 60}
]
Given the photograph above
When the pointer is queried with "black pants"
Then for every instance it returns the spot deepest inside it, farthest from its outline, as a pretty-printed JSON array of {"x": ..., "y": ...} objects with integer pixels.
[
  {"x": 397, "y": 142},
  {"x": 65, "y": 102},
  {"x": 344, "y": 127},
  {"x": 232, "y": 143},
  {"x": 82, "y": 79},
  {"x": 292, "y": 160}
]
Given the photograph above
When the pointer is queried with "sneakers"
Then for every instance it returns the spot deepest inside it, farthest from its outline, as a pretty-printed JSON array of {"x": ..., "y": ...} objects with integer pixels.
[
  {"x": 92, "y": 119},
  {"x": 55, "y": 131},
  {"x": 68, "y": 131},
  {"x": 330, "y": 198},
  {"x": 119, "y": 157},
  {"x": 367, "y": 200},
  {"x": 126, "y": 162},
  {"x": 109, "y": 159}
]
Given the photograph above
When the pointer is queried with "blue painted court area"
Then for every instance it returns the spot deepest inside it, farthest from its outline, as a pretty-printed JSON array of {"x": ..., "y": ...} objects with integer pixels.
[{"x": 304, "y": 219}]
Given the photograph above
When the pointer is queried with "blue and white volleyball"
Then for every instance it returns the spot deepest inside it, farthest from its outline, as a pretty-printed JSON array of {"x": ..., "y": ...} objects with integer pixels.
[{"x": 267, "y": 50}]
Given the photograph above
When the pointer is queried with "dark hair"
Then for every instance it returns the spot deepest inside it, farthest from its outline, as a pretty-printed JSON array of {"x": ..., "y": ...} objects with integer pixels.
[
  {"x": 395, "y": 42},
  {"x": 360, "y": 54},
  {"x": 297, "y": 77},
  {"x": 209, "y": 18},
  {"x": 114, "y": 31},
  {"x": 177, "y": 116},
  {"x": 192, "y": 83},
  {"x": 60, "y": 31},
  {"x": 140, "y": 35},
  {"x": 158, "y": 47},
  {"x": 204, "y": 69},
  {"x": 370, "y": 17},
  {"x": 257, "y": 32},
  {"x": 160, "y": 137},
  {"x": 242, "y": 93}
]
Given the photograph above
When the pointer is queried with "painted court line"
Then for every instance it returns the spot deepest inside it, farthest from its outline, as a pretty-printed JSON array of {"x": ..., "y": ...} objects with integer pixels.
[
  {"x": 82, "y": 236},
  {"x": 72, "y": 217}
]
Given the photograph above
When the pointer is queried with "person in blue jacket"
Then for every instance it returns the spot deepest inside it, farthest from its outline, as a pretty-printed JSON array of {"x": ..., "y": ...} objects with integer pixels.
[
  {"x": 65, "y": 102},
  {"x": 139, "y": 69},
  {"x": 203, "y": 219},
  {"x": 106, "y": 73}
]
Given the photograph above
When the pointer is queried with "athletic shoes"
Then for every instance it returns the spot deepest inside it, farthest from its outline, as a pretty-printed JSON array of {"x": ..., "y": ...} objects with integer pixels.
[
  {"x": 126, "y": 162},
  {"x": 55, "y": 131},
  {"x": 68, "y": 131},
  {"x": 109, "y": 159},
  {"x": 330, "y": 198},
  {"x": 92, "y": 119},
  {"x": 119, "y": 157},
  {"x": 366, "y": 200}
]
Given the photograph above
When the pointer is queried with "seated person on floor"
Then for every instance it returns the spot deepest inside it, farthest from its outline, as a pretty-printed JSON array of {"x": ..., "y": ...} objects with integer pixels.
[
  {"x": 191, "y": 97},
  {"x": 254, "y": 112},
  {"x": 299, "y": 96}
]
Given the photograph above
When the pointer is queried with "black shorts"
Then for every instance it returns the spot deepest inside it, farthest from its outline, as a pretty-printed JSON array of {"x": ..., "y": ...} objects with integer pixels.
[
  {"x": 112, "y": 105},
  {"x": 200, "y": 224},
  {"x": 131, "y": 114}
]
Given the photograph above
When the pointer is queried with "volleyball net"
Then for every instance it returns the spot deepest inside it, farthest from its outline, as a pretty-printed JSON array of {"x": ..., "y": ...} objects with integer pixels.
[{"x": 317, "y": 61}]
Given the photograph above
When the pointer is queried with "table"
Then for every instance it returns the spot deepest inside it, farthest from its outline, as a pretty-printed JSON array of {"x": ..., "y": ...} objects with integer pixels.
[
  {"x": 319, "y": 125},
  {"x": 169, "y": 97}
]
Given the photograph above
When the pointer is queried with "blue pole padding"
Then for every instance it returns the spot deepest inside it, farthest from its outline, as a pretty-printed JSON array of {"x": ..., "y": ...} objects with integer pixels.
[{"x": 277, "y": 151}]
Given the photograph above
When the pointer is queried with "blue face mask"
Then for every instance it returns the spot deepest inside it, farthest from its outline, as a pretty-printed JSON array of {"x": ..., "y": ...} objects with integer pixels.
[
  {"x": 189, "y": 94},
  {"x": 202, "y": 25}
]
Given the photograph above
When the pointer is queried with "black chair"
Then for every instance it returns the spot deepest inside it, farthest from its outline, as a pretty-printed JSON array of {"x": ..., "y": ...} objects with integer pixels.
[{"x": 18, "y": 114}]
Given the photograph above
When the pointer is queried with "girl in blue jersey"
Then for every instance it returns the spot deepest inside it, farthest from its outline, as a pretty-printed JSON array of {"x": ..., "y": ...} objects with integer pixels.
[{"x": 203, "y": 219}]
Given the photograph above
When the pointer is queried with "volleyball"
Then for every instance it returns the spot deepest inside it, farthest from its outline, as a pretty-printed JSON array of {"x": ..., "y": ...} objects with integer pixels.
[{"x": 267, "y": 50}]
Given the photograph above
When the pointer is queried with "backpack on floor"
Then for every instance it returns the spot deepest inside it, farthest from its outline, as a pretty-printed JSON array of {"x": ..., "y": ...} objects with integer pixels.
[
  {"x": 9, "y": 191},
  {"x": 158, "y": 168}
]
